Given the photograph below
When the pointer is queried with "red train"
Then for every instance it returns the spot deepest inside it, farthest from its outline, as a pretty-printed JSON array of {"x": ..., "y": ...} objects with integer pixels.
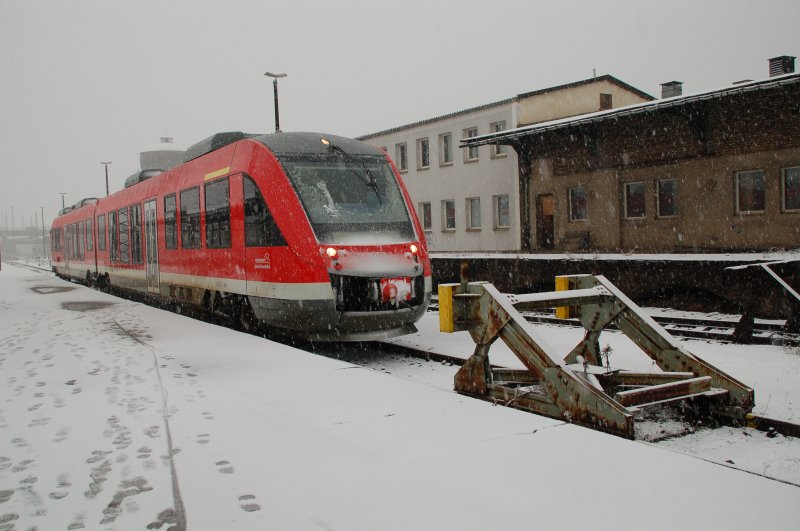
[{"x": 308, "y": 233}]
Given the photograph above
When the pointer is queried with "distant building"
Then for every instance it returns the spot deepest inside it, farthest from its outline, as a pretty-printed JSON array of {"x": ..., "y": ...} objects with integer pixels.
[
  {"x": 468, "y": 199},
  {"x": 163, "y": 156},
  {"x": 713, "y": 171}
]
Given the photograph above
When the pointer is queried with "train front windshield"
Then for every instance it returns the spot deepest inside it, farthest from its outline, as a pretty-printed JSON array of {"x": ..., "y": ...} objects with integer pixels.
[{"x": 351, "y": 199}]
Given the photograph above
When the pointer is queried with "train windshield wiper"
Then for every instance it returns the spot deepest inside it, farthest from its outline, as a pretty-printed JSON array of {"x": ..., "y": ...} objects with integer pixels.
[{"x": 359, "y": 169}]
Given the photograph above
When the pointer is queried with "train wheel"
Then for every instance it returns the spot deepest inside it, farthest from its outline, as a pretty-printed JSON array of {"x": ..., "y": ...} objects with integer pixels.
[{"x": 246, "y": 319}]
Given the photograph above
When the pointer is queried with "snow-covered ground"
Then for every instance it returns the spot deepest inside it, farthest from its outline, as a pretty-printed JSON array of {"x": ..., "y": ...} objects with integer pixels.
[{"x": 116, "y": 415}]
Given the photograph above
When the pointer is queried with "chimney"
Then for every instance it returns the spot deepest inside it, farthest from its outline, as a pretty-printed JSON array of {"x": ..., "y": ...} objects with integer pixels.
[
  {"x": 781, "y": 65},
  {"x": 671, "y": 89}
]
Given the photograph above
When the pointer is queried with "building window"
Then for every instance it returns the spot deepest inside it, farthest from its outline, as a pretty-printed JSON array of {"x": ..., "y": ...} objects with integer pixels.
[
  {"x": 667, "y": 198},
  {"x": 790, "y": 189},
  {"x": 123, "y": 239},
  {"x": 218, "y": 214},
  {"x": 136, "y": 234},
  {"x": 634, "y": 200},
  {"x": 750, "y": 187},
  {"x": 473, "y": 213},
  {"x": 498, "y": 150},
  {"x": 260, "y": 229},
  {"x": 577, "y": 204},
  {"x": 425, "y": 214},
  {"x": 448, "y": 215},
  {"x": 470, "y": 153},
  {"x": 502, "y": 211},
  {"x": 190, "y": 218},
  {"x": 401, "y": 156},
  {"x": 423, "y": 154},
  {"x": 170, "y": 225},
  {"x": 445, "y": 149},
  {"x": 606, "y": 101}
]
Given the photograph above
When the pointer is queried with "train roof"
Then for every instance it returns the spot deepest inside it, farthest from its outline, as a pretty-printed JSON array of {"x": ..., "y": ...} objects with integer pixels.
[
  {"x": 282, "y": 144},
  {"x": 213, "y": 143},
  {"x": 311, "y": 143}
]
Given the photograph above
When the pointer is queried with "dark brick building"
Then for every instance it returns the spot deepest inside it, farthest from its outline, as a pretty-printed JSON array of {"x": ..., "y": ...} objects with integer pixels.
[{"x": 714, "y": 171}]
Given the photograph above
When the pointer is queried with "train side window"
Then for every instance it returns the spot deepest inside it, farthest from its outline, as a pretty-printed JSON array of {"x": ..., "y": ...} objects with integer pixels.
[
  {"x": 70, "y": 250},
  {"x": 89, "y": 235},
  {"x": 55, "y": 239},
  {"x": 190, "y": 218},
  {"x": 124, "y": 236},
  {"x": 101, "y": 232},
  {"x": 112, "y": 235},
  {"x": 260, "y": 229},
  {"x": 80, "y": 228},
  {"x": 136, "y": 234},
  {"x": 170, "y": 225},
  {"x": 218, "y": 214}
]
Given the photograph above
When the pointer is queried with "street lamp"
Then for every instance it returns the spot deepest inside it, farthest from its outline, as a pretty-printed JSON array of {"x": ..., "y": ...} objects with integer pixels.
[
  {"x": 44, "y": 244},
  {"x": 275, "y": 90},
  {"x": 106, "y": 165}
]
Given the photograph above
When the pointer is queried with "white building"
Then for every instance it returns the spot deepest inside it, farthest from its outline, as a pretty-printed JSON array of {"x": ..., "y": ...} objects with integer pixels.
[{"x": 467, "y": 199}]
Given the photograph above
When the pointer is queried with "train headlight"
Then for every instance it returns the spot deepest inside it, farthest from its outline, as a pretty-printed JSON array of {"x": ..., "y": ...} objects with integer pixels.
[
  {"x": 414, "y": 249},
  {"x": 330, "y": 251}
]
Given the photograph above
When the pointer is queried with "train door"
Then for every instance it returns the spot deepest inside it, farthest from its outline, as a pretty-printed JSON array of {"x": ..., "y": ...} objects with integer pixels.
[{"x": 151, "y": 246}]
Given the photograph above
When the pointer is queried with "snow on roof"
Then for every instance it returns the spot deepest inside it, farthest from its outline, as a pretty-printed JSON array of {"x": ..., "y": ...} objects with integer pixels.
[{"x": 505, "y": 137}]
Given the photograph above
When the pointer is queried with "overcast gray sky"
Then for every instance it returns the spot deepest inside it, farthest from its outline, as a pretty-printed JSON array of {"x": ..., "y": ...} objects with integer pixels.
[{"x": 90, "y": 80}]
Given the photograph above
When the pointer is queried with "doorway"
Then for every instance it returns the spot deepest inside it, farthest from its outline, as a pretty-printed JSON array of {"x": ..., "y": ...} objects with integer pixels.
[{"x": 545, "y": 224}]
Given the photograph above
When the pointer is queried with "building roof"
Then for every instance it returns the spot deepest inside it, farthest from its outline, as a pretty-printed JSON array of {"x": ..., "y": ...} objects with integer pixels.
[
  {"x": 606, "y": 77},
  {"x": 510, "y": 135},
  {"x": 435, "y": 119},
  {"x": 507, "y": 101}
]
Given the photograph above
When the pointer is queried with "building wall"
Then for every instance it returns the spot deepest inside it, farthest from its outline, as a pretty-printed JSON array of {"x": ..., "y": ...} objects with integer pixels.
[
  {"x": 581, "y": 99},
  {"x": 485, "y": 178},
  {"x": 702, "y": 147}
]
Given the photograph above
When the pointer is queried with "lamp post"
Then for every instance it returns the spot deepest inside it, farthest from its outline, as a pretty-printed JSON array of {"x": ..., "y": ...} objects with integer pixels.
[
  {"x": 275, "y": 90},
  {"x": 106, "y": 165},
  {"x": 44, "y": 245}
]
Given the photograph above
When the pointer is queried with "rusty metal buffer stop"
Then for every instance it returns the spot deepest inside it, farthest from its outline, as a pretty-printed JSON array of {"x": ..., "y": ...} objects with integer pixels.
[{"x": 576, "y": 386}]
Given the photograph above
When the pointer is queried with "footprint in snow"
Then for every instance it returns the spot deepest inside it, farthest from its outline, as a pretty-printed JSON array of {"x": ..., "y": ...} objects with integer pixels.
[
  {"x": 224, "y": 467},
  {"x": 248, "y": 503}
]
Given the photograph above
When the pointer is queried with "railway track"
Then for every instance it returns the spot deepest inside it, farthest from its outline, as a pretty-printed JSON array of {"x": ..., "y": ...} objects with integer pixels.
[
  {"x": 664, "y": 427},
  {"x": 712, "y": 329}
]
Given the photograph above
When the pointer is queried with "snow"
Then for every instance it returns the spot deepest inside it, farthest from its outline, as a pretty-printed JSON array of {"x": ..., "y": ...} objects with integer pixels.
[{"x": 102, "y": 397}]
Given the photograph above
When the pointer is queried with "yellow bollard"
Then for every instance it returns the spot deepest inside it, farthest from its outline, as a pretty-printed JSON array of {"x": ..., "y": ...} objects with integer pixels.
[
  {"x": 562, "y": 284},
  {"x": 446, "y": 322}
]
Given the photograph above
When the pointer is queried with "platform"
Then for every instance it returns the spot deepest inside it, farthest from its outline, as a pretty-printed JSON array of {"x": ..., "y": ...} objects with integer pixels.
[{"x": 115, "y": 415}]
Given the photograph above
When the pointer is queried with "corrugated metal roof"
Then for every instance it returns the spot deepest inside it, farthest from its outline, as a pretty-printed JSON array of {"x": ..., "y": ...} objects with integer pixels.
[{"x": 508, "y": 136}]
